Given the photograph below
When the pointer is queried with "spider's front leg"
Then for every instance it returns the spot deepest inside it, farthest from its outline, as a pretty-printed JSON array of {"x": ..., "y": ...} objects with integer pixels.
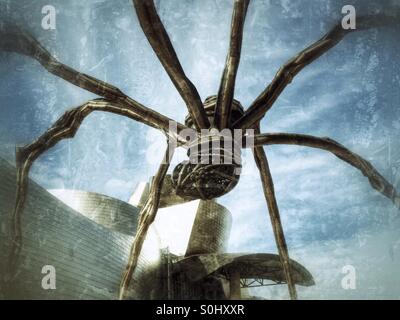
[
  {"x": 287, "y": 72},
  {"x": 159, "y": 40},
  {"x": 15, "y": 39},
  {"x": 147, "y": 215},
  {"x": 269, "y": 193}
]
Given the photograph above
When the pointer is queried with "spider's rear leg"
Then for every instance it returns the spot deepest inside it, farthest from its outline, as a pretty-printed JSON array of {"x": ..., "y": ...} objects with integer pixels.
[{"x": 66, "y": 127}]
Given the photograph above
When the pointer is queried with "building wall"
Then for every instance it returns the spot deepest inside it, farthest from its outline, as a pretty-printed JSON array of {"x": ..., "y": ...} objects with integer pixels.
[
  {"x": 88, "y": 258},
  {"x": 109, "y": 212},
  {"x": 90, "y": 254},
  {"x": 210, "y": 230}
]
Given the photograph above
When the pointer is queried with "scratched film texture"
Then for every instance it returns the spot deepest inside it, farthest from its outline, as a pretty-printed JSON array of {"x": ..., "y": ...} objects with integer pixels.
[{"x": 331, "y": 215}]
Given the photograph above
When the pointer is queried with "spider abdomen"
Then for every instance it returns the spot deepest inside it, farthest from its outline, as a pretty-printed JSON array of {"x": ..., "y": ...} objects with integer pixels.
[
  {"x": 204, "y": 181},
  {"x": 213, "y": 169}
]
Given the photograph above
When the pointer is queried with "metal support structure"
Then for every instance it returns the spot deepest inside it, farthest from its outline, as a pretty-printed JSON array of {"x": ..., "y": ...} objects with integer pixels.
[
  {"x": 256, "y": 283},
  {"x": 234, "y": 286}
]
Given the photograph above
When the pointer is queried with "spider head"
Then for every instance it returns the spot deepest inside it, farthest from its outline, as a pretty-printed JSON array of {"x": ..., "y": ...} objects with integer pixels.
[{"x": 209, "y": 106}]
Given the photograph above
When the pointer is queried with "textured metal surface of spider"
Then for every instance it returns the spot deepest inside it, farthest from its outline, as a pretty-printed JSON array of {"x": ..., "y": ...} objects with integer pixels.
[{"x": 190, "y": 180}]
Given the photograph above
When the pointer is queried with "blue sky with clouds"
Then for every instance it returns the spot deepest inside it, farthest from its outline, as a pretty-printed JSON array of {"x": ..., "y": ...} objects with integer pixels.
[{"x": 331, "y": 215}]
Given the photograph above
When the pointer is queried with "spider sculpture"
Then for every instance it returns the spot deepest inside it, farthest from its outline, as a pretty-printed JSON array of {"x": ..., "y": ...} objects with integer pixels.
[{"x": 192, "y": 181}]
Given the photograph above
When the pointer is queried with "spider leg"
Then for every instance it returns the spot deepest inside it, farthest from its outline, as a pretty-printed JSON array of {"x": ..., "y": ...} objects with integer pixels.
[
  {"x": 159, "y": 40},
  {"x": 269, "y": 192},
  {"x": 147, "y": 215},
  {"x": 377, "y": 181},
  {"x": 14, "y": 39},
  {"x": 65, "y": 127},
  {"x": 227, "y": 86},
  {"x": 287, "y": 72}
]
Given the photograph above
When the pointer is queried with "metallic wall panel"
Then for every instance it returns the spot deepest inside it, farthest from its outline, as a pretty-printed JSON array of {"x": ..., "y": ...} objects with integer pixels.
[
  {"x": 211, "y": 229},
  {"x": 106, "y": 211},
  {"x": 88, "y": 258}
]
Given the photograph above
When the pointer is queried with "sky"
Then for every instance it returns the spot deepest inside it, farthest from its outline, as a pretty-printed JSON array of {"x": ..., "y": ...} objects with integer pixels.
[{"x": 331, "y": 216}]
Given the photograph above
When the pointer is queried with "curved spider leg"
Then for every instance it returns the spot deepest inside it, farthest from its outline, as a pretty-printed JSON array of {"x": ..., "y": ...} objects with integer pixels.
[
  {"x": 227, "y": 86},
  {"x": 287, "y": 72},
  {"x": 377, "y": 181},
  {"x": 65, "y": 127},
  {"x": 15, "y": 39},
  {"x": 159, "y": 40},
  {"x": 147, "y": 215},
  {"x": 268, "y": 187}
]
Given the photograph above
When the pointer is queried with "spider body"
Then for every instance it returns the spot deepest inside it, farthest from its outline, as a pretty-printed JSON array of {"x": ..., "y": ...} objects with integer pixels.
[{"x": 214, "y": 162}]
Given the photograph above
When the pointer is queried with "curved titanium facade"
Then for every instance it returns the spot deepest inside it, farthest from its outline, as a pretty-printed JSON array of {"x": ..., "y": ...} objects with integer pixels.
[
  {"x": 109, "y": 212},
  {"x": 249, "y": 266},
  {"x": 211, "y": 229},
  {"x": 88, "y": 258}
]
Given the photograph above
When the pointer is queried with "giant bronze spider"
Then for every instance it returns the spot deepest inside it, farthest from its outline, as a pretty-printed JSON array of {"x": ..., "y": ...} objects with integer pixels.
[{"x": 218, "y": 112}]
